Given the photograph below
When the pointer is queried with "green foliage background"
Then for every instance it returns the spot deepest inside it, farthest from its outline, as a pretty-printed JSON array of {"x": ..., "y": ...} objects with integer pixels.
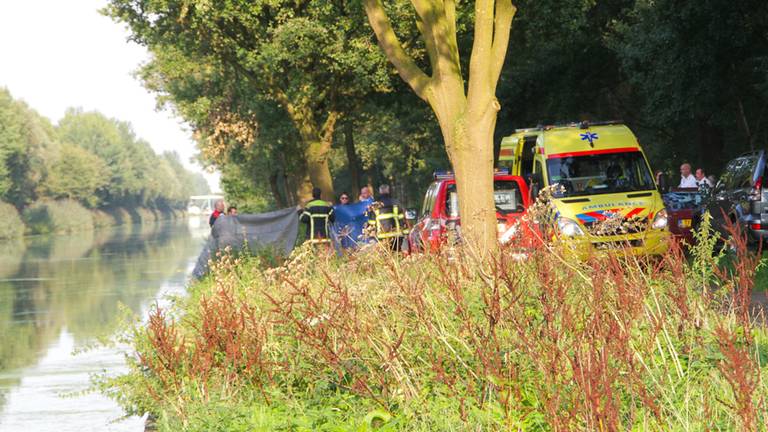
[
  {"x": 87, "y": 161},
  {"x": 690, "y": 79}
]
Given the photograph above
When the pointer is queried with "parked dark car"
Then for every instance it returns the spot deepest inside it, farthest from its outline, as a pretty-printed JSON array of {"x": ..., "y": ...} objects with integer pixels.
[
  {"x": 684, "y": 209},
  {"x": 440, "y": 212},
  {"x": 739, "y": 195}
]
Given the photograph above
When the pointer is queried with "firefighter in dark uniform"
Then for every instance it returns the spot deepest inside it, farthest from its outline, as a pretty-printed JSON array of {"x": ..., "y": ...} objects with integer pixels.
[
  {"x": 388, "y": 219},
  {"x": 318, "y": 215}
]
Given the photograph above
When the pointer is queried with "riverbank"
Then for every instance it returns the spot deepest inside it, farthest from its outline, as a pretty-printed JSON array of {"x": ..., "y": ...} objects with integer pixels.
[
  {"x": 69, "y": 216},
  {"x": 381, "y": 342}
]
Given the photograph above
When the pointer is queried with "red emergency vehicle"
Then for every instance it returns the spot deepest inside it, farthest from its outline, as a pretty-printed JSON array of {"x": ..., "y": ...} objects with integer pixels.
[{"x": 439, "y": 217}]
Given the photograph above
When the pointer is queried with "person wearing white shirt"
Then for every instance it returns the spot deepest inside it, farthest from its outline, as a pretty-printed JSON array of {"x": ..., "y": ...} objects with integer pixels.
[
  {"x": 701, "y": 178},
  {"x": 687, "y": 180}
]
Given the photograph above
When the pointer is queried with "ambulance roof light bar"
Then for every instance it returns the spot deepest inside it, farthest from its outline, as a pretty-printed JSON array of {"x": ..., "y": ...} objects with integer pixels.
[
  {"x": 449, "y": 175},
  {"x": 581, "y": 125}
]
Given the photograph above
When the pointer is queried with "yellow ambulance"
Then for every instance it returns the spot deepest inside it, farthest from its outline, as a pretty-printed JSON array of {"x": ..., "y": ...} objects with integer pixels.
[{"x": 598, "y": 173}]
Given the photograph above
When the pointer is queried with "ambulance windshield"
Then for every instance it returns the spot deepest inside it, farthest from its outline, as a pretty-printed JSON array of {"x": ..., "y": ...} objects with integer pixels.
[{"x": 597, "y": 174}]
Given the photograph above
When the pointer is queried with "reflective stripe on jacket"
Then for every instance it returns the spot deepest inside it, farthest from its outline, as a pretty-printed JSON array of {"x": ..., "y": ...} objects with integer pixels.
[
  {"x": 388, "y": 220},
  {"x": 318, "y": 215}
]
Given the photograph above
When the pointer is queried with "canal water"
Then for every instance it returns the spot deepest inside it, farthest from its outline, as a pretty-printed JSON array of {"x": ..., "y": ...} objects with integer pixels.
[{"x": 58, "y": 296}]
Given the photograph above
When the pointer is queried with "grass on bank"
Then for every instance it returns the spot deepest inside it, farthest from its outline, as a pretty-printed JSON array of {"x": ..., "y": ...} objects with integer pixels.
[
  {"x": 443, "y": 342},
  {"x": 69, "y": 216}
]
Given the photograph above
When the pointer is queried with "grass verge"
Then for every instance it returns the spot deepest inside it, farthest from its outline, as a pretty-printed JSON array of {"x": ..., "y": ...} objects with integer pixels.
[{"x": 447, "y": 342}]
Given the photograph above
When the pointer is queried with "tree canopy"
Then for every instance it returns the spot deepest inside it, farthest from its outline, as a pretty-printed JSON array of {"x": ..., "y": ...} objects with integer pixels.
[
  {"x": 87, "y": 157},
  {"x": 264, "y": 84},
  {"x": 313, "y": 60}
]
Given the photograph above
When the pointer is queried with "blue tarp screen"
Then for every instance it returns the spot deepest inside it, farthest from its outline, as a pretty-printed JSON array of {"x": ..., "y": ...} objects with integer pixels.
[{"x": 350, "y": 219}]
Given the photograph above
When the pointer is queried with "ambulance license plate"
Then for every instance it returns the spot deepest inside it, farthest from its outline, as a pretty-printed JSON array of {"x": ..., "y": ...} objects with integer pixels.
[{"x": 684, "y": 223}]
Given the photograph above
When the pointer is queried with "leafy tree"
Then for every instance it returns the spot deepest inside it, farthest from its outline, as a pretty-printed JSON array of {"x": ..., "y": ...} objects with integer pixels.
[
  {"x": 11, "y": 138},
  {"x": 135, "y": 175},
  {"x": 563, "y": 70},
  {"x": 26, "y": 147},
  {"x": 700, "y": 71},
  {"x": 310, "y": 58},
  {"x": 101, "y": 136},
  {"x": 397, "y": 141},
  {"x": 467, "y": 115},
  {"x": 199, "y": 185},
  {"x": 76, "y": 174},
  {"x": 234, "y": 124}
]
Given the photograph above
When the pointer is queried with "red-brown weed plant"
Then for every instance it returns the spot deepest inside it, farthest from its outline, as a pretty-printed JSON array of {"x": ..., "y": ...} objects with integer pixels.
[
  {"x": 743, "y": 376},
  {"x": 230, "y": 337},
  {"x": 740, "y": 276},
  {"x": 166, "y": 356},
  {"x": 739, "y": 365},
  {"x": 588, "y": 345}
]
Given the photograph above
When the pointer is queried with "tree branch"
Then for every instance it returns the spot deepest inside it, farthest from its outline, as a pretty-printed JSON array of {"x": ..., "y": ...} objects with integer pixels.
[
  {"x": 480, "y": 61},
  {"x": 450, "y": 17},
  {"x": 505, "y": 12},
  {"x": 429, "y": 43},
  {"x": 406, "y": 67},
  {"x": 329, "y": 127},
  {"x": 439, "y": 36}
]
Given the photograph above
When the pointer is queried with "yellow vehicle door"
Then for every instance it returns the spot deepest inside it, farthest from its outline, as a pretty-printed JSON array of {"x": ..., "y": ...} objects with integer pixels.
[{"x": 517, "y": 152}]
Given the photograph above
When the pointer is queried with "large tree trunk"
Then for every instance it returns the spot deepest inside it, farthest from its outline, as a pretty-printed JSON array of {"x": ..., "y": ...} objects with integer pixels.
[
  {"x": 352, "y": 162},
  {"x": 302, "y": 185},
  {"x": 274, "y": 185},
  {"x": 467, "y": 120},
  {"x": 317, "y": 166},
  {"x": 467, "y": 126},
  {"x": 473, "y": 164}
]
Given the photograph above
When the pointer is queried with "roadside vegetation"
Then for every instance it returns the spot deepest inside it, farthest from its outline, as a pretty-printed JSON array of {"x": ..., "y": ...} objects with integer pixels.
[
  {"x": 72, "y": 176},
  {"x": 445, "y": 342},
  {"x": 258, "y": 91}
]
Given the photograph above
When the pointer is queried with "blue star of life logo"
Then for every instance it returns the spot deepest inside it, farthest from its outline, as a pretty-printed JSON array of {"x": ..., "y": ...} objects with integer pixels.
[{"x": 589, "y": 136}]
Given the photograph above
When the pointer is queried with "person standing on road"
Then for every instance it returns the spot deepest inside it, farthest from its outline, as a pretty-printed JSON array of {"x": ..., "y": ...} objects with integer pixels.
[
  {"x": 218, "y": 210},
  {"x": 687, "y": 180}
]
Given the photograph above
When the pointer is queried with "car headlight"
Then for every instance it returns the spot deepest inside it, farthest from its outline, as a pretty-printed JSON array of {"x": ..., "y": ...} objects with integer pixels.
[
  {"x": 660, "y": 220},
  {"x": 569, "y": 228}
]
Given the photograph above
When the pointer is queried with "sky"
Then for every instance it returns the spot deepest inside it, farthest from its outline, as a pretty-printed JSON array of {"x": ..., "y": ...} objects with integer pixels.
[{"x": 56, "y": 54}]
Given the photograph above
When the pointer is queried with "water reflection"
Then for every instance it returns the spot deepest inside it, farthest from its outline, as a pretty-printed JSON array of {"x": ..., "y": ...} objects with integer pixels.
[{"x": 60, "y": 292}]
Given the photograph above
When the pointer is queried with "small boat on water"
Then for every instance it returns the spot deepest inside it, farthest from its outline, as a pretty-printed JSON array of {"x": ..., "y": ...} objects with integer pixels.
[{"x": 202, "y": 205}]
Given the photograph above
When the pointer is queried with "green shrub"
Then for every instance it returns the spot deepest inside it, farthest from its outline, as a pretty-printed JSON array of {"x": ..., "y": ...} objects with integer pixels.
[
  {"x": 11, "y": 225},
  {"x": 447, "y": 342},
  {"x": 57, "y": 217}
]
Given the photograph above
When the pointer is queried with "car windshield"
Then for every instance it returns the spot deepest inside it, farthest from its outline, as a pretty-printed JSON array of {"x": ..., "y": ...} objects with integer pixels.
[
  {"x": 599, "y": 174},
  {"x": 506, "y": 195}
]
